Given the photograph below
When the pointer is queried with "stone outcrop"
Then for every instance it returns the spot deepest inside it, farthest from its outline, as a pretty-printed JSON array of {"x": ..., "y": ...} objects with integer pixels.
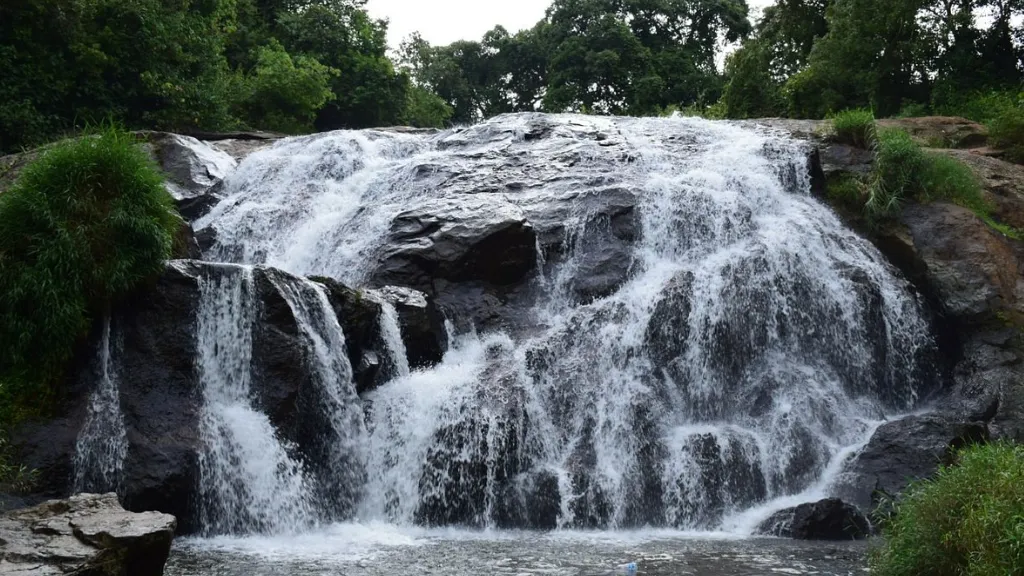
[
  {"x": 973, "y": 278},
  {"x": 160, "y": 393},
  {"x": 830, "y": 519},
  {"x": 85, "y": 535}
]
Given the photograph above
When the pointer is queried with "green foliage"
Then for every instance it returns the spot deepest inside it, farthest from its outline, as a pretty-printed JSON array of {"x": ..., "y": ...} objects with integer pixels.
[
  {"x": 1006, "y": 131},
  {"x": 426, "y": 109},
  {"x": 854, "y": 127},
  {"x": 284, "y": 93},
  {"x": 13, "y": 478},
  {"x": 968, "y": 520},
  {"x": 898, "y": 162},
  {"x": 903, "y": 171},
  {"x": 85, "y": 223}
]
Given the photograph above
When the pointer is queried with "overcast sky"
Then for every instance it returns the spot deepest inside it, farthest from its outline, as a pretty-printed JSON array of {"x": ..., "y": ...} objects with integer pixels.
[{"x": 445, "y": 21}]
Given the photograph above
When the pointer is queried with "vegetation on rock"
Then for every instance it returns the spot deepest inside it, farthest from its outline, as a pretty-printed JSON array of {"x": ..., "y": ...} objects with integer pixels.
[
  {"x": 84, "y": 224},
  {"x": 969, "y": 519}
]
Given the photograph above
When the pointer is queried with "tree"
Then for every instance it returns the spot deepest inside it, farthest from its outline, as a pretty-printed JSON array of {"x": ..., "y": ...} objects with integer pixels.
[
  {"x": 285, "y": 94},
  {"x": 638, "y": 56},
  {"x": 872, "y": 56}
]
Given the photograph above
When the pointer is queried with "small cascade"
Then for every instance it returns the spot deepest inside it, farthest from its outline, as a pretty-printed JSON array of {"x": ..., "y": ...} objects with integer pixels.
[
  {"x": 391, "y": 334},
  {"x": 249, "y": 482},
  {"x": 103, "y": 442},
  {"x": 335, "y": 454}
]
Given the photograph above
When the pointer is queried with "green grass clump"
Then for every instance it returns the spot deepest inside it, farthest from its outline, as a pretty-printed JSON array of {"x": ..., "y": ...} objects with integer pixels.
[
  {"x": 854, "y": 127},
  {"x": 83, "y": 224},
  {"x": 898, "y": 163},
  {"x": 967, "y": 521}
]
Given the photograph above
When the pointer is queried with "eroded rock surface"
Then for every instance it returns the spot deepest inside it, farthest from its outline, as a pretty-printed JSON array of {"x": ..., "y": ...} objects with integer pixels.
[{"x": 85, "y": 535}]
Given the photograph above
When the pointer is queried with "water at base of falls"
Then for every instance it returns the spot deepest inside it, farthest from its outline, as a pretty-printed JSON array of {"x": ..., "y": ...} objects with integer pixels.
[
  {"x": 386, "y": 550},
  {"x": 753, "y": 344}
]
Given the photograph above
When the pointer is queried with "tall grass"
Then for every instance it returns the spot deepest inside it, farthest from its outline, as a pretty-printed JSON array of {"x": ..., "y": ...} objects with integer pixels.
[
  {"x": 84, "y": 223},
  {"x": 854, "y": 127},
  {"x": 967, "y": 521}
]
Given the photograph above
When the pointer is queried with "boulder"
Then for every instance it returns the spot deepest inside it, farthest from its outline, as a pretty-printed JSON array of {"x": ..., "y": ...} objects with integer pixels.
[
  {"x": 1002, "y": 184},
  {"x": 903, "y": 451},
  {"x": 85, "y": 535},
  {"x": 192, "y": 167},
  {"x": 160, "y": 390},
  {"x": 421, "y": 324},
  {"x": 830, "y": 519}
]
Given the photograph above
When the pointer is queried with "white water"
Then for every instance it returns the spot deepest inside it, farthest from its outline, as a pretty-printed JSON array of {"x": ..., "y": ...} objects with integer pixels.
[
  {"x": 248, "y": 481},
  {"x": 797, "y": 338},
  {"x": 102, "y": 442},
  {"x": 391, "y": 334}
]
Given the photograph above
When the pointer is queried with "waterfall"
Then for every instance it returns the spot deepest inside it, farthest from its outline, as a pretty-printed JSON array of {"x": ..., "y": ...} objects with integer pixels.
[
  {"x": 102, "y": 442},
  {"x": 752, "y": 342},
  {"x": 340, "y": 434},
  {"x": 391, "y": 334},
  {"x": 249, "y": 482}
]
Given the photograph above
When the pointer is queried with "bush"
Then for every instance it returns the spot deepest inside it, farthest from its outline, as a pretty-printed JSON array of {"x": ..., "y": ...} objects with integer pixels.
[
  {"x": 968, "y": 520},
  {"x": 854, "y": 127},
  {"x": 83, "y": 224},
  {"x": 898, "y": 162},
  {"x": 1006, "y": 131}
]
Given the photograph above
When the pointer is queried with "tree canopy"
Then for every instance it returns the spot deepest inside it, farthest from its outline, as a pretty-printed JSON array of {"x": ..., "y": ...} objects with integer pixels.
[{"x": 303, "y": 65}]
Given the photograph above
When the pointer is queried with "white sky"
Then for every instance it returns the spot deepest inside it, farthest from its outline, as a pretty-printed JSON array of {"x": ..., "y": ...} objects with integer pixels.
[{"x": 445, "y": 21}]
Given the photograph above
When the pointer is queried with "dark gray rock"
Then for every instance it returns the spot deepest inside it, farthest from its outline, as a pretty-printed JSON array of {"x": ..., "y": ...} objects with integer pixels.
[
  {"x": 421, "y": 324},
  {"x": 903, "y": 451},
  {"x": 830, "y": 519},
  {"x": 86, "y": 535},
  {"x": 160, "y": 388}
]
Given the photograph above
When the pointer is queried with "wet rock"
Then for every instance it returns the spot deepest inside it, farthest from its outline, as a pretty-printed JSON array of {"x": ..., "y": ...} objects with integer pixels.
[
  {"x": 192, "y": 167},
  {"x": 86, "y": 535},
  {"x": 902, "y": 451},
  {"x": 469, "y": 240},
  {"x": 359, "y": 316},
  {"x": 830, "y": 519},
  {"x": 421, "y": 324},
  {"x": 669, "y": 328}
]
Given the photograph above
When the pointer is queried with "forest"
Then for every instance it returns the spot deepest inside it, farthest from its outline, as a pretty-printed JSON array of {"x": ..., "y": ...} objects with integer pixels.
[{"x": 295, "y": 66}]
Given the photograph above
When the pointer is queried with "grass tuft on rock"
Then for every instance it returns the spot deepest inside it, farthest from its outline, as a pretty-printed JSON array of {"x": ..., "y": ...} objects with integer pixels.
[
  {"x": 85, "y": 223},
  {"x": 854, "y": 127},
  {"x": 968, "y": 520}
]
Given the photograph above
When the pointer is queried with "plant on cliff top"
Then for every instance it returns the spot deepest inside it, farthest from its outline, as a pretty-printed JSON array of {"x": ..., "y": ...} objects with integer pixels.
[
  {"x": 854, "y": 127},
  {"x": 968, "y": 520},
  {"x": 85, "y": 223}
]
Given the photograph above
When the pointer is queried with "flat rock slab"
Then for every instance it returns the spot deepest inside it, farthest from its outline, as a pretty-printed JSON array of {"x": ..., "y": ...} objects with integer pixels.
[{"x": 85, "y": 535}]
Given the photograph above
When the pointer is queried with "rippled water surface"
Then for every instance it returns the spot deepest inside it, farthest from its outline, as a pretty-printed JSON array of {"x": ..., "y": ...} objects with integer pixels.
[{"x": 387, "y": 550}]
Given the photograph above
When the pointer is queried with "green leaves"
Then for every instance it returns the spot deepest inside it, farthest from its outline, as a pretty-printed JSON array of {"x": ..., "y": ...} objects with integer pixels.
[
  {"x": 84, "y": 224},
  {"x": 968, "y": 520}
]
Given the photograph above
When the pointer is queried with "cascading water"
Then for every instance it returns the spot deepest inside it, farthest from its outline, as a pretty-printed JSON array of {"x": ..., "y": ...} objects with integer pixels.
[
  {"x": 752, "y": 342},
  {"x": 102, "y": 442},
  {"x": 248, "y": 481}
]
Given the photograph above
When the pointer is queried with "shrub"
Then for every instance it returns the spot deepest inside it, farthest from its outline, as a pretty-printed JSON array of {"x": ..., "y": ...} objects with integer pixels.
[
  {"x": 854, "y": 127},
  {"x": 898, "y": 162},
  {"x": 968, "y": 520},
  {"x": 84, "y": 223},
  {"x": 1006, "y": 131}
]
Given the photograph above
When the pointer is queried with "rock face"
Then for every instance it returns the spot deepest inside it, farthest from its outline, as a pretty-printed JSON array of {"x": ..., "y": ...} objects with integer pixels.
[
  {"x": 160, "y": 389},
  {"x": 973, "y": 277},
  {"x": 830, "y": 519},
  {"x": 86, "y": 535},
  {"x": 902, "y": 451}
]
